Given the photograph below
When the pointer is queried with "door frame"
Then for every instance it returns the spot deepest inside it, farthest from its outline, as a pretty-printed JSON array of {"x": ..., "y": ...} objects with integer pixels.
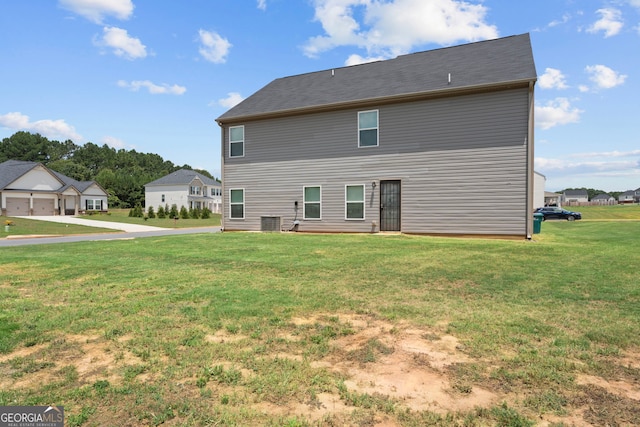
[{"x": 397, "y": 224}]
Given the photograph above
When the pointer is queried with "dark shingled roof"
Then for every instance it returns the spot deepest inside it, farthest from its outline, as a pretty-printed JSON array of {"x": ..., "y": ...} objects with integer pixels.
[
  {"x": 183, "y": 176},
  {"x": 14, "y": 169},
  {"x": 507, "y": 60}
]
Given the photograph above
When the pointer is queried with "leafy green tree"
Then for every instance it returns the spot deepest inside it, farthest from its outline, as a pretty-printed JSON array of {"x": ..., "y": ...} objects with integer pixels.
[
  {"x": 24, "y": 146},
  {"x": 56, "y": 151},
  {"x": 72, "y": 170}
]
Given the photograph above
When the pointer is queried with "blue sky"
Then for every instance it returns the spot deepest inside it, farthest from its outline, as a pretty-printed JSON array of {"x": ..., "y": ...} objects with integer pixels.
[{"x": 153, "y": 75}]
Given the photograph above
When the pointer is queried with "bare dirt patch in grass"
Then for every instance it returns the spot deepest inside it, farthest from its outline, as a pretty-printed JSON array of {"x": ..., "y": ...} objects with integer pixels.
[
  {"x": 391, "y": 366},
  {"x": 92, "y": 357},
  {"x": 405, "y": 364}
]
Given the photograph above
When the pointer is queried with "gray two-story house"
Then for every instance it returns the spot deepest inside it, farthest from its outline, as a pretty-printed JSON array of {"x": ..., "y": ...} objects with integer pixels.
[{"x": 435, "y": 142}]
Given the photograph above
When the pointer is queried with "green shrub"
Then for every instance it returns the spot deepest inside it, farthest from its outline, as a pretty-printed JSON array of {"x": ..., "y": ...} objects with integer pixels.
[
  {"x": 205, "y": 214},
  {"x": 184, "y": 213},
  {"x": 138, "y": 212},
  {"x": 150, "y": 212},
  {"x": 173, "y": 213},
  {"x": 161, "y": 212}
]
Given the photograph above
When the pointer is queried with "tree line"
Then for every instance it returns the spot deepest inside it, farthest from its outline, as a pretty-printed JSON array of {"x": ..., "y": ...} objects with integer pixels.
[{"x": 122, "y": 173}]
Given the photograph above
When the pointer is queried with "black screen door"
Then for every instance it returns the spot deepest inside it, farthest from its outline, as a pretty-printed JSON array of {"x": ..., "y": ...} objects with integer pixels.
[{"x": 389, "y": 205}]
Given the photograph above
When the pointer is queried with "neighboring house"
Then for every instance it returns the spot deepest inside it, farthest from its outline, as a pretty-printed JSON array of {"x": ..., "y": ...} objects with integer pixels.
[
  {"x": 636, "y": 197},
  {"x": 575, "y": 197},
  {"x": 435, "y": 142},
  {"x": 539, "y": 182},
  {"x": 603, "y": 199},
  {"x": 30, "y": 188},
  {"x": 186, "y": 188},
  {"x": 627, "y": 197},
  {"x": 552, "y": 199}
]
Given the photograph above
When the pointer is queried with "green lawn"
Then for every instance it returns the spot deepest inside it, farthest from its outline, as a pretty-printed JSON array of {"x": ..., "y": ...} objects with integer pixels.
[
  {"x": 608, "y": 213},
  {"x": 288, "y": 329},
  {"x": 122, "y": 215},
  {"x": 28, "y": 227}
]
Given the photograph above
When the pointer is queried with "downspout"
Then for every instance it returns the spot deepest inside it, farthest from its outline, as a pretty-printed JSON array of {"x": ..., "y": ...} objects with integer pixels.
[
  {"x": 222, "y": 195},
  {"x": 530, "y": 158}
]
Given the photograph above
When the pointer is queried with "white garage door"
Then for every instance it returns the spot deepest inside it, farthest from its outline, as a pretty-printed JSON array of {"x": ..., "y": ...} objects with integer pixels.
[
  {"x": 17, "y": 206},
  {"x": 43, "y": 207}
]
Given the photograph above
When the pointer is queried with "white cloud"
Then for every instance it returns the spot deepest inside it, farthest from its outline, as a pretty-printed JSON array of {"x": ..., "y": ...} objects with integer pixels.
[
  {"x": 214, "y": 48},
  {"x": 610, "y": 22},
  {"x": 97, "y": 10},
  {"x": 356, "y": 59},
  {"x": 232, "y": 99},
  {"x": 262, "y": 4},
  {"x": 608, "y": 170},
  {"x": 565, "y": 18},
  {"x": 615, "y": 153},
  {"x": 391, "y": 27},
  {"x": 52, "y": 129},
  {"x": 552, "y": 79},
  {"x": 122, "y": 44},
  {"x": 114, "y": 142},
  {"x": 604, "y": 77},
  {"x": 556, "y": 112},
  {"x": 153, "y": 88},
  {"x": 590, "y": 167}
]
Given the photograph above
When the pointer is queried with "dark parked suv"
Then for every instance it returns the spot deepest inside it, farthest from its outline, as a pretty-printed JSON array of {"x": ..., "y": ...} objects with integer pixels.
[{"x": 558, "y": 213}]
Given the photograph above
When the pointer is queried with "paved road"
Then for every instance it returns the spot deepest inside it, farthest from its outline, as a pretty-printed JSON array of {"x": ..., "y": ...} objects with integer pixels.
[{"x": 130, "y": 231}]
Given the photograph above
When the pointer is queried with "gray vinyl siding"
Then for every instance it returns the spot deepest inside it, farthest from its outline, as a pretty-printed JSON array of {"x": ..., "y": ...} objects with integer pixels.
[{"x": 462, "y": 163}]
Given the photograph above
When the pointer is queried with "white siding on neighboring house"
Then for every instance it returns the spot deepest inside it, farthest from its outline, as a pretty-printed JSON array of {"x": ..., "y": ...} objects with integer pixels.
[
  {"x": 186, "y": 188},
  {"x": 173, "y": 195},
  {"x": 93, "y": 198},
  {"x": 38, "y": 179},
  {"x": 539, "y": 182},
  {"x": 626, "y": 197}
]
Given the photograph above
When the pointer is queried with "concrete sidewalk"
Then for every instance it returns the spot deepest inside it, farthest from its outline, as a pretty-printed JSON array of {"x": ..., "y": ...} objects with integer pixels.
[{"x": 64, "y": 219}]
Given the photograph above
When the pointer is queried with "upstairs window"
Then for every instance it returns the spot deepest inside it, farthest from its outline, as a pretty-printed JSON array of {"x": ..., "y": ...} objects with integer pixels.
[
  {"x": 312, "y": 203},
  {"x": 236, "y": 141},
  {"x": 354, "y": 201},
  {"x": 368, "y": 128}
]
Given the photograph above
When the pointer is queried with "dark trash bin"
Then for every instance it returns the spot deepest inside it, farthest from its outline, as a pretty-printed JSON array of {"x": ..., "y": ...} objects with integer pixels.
[{"x": 537, "y": 222}]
